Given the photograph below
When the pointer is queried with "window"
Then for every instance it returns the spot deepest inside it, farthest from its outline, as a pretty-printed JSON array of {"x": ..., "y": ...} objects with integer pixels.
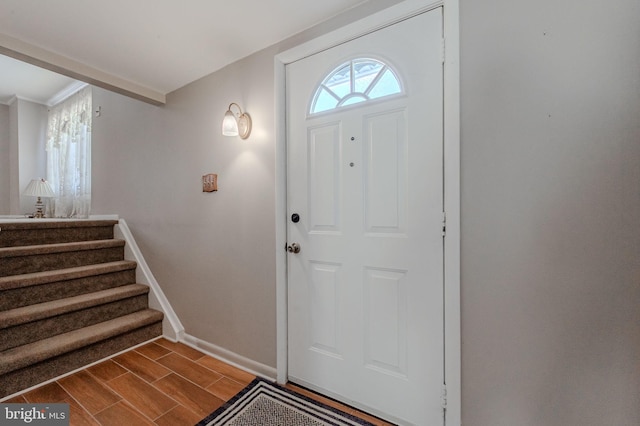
[
  {"x": 358, "y": 80},
  {"x": 69, "y": 155}
]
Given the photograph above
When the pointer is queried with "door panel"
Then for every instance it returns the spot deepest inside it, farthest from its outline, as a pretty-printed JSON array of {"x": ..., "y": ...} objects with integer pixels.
[
  {"x": 324, "y": 316},
  {"x": 325, "y": 179},
  {"x": 365, "y": 292},
  {"x": 385, "y": 165},
  {"x": 385, "y": 321}
]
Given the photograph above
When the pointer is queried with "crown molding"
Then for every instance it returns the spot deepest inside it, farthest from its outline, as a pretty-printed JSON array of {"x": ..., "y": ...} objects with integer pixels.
[
  {"x": 15, "y": 98},
  {"x": 62, "y": 95}
]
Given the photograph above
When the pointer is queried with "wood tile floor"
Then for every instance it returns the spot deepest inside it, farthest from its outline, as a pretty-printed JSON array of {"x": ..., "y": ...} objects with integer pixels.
[{"x": 161, "y": 383}]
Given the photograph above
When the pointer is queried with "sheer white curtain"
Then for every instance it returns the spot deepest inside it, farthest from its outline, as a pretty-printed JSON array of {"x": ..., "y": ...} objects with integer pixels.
[{"x": 69, "y": 156}]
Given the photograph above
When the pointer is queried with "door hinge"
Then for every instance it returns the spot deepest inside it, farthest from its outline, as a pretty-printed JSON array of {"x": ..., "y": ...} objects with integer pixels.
[
  {"x": 444, "y": 224},
  {"x": 443, "y": 51},
  {"x": 443, "y": 397}
]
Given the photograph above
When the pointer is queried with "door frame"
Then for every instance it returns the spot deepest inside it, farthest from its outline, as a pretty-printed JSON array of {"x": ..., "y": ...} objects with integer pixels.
[{"x": 451, "y": 163}]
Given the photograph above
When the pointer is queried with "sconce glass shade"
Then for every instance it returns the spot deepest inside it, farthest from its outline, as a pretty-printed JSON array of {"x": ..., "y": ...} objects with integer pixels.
[
  {"x": 236, "y": 124},
  {"x": 229, "y": 124}
]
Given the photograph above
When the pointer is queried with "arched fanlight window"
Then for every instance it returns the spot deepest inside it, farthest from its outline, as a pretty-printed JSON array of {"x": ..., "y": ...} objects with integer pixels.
[{"x": 358, "y": 80}]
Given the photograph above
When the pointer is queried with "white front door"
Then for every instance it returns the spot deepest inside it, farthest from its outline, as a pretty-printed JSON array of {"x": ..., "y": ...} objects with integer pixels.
[{"x": 365, "y": 203}]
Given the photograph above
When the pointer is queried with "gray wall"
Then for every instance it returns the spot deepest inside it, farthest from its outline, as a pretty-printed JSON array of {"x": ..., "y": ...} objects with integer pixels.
[
  {"x": 212, "y": 253},
  {"x": 550, "y": 212},
  {"x": 14, "y": 160},
  {"x": 550, "y": 207},
  {"x": 32, "y": 157},
  {"x": 22, "y": 153},
  {"x": 4, "y": 159}
]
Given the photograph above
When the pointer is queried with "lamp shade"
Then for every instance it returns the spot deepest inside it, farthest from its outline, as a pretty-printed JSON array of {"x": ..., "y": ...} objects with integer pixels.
[
  {"x": 39, "y": 188},
  {"x": 229, "y": 124}
]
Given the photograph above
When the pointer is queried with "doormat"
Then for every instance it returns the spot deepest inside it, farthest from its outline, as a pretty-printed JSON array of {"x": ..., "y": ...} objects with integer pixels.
[{"x": 263, "y": 403}]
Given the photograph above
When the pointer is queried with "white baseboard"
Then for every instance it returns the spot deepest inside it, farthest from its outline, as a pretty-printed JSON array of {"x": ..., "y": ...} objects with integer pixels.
[{"x": 231, "y": 358}]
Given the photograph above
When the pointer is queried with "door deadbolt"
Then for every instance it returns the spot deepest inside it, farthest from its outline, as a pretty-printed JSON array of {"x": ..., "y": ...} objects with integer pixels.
[
  {"x": 294, "y": 248},
  {"x": 295, "y": 218}
]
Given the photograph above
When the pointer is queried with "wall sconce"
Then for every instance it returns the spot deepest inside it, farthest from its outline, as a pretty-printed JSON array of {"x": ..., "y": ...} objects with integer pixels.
[
  {"x": 236, "y": 124},
  {"x": 39, "y": 188}
]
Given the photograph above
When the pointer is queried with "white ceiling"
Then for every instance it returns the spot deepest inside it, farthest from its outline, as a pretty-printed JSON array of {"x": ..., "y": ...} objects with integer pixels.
[
  {"x": 158, "y": 44},
  {"x": 31, "y": 83}
]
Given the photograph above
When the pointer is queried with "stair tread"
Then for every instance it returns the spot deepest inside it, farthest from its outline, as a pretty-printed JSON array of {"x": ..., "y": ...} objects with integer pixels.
[
  {"x": 59, "y": 247},
  {"x": 38, "y": 278},
  {"x": 22, "y": 356},
  {"x": 53, "y": 308},
  {"x": 52, "y": 224}
]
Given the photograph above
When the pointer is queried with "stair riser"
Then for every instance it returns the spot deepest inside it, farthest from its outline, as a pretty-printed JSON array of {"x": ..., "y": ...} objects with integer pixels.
[
  {"x": 51, "y": 261},
  {"x": 24, "y": 378},
  {"x": 30, "y": 237},
  {"x": 16, "y": 298},
  {"x": 37, "y": 330}
]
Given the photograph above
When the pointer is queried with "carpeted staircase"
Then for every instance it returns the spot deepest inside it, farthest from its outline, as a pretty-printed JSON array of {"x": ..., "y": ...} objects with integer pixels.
[{"x": 67, "y": 298}]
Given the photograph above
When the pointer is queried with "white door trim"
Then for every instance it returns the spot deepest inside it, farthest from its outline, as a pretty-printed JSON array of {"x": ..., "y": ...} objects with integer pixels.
[{"x": 368, "y": 24}]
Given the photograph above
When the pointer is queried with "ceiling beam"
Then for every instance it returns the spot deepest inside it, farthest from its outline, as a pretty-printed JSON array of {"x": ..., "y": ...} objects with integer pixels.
[{"x": 42, "y": 58}]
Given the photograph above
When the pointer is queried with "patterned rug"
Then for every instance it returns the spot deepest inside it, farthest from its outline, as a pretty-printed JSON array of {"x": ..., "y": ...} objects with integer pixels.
[{"x": 263, "y": 403}]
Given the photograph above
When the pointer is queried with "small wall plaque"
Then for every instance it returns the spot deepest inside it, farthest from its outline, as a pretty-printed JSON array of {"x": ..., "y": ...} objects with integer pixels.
[{"x": 210, "y": 182}]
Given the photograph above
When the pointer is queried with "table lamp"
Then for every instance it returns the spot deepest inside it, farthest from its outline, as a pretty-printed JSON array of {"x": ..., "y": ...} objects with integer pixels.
[{"x": 39, "y": 188}]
